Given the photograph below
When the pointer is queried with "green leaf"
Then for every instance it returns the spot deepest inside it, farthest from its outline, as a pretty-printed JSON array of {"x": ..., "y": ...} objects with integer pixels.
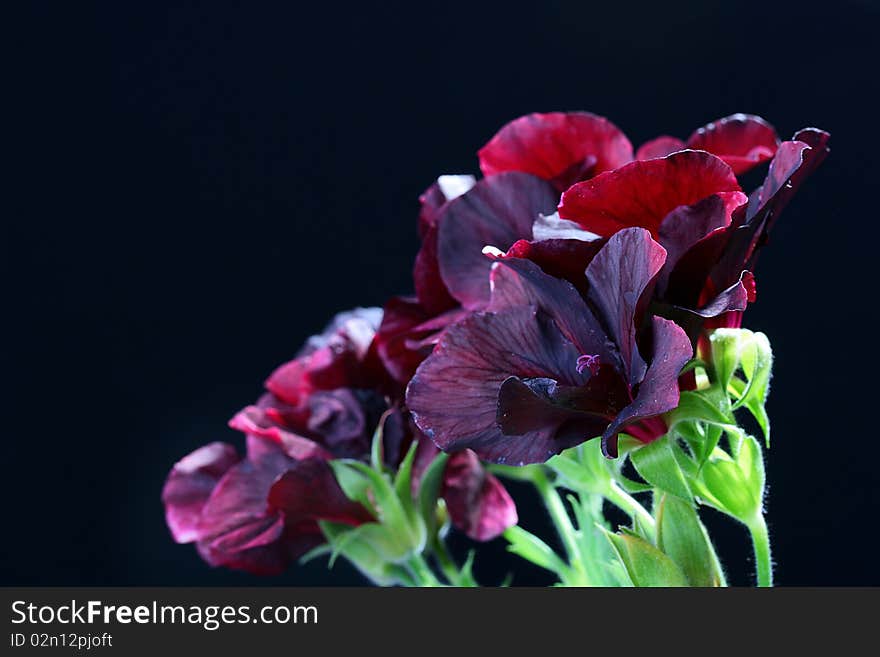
[
  {"x": 644, "y": 563},
  {"x": 355, "y": 485},
  {"x": 363, "y": 554},
  {"x": 656, "y": 464},
  {"x": 683, "y": 538},
  {"x": 533, "y": 549},
  {"x": 377, "y": 448}
]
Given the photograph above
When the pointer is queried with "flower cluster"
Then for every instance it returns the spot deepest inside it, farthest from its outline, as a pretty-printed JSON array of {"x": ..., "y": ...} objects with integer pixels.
[{"x": 557, "y": 299}]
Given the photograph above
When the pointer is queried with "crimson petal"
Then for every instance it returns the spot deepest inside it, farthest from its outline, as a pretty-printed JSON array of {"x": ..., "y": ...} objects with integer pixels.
[
  {"x": 659, "y": 147},
  {"x": 742, "y": 140},
  {"x": 478, "y": 503},
  {"x": 643, "y": 193},
  {"x": 554, "y": 144}
]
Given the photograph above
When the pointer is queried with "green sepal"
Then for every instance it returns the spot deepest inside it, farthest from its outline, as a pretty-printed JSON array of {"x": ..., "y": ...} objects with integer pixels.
[
  {"x": 734, "y": 484},
  {"x": 656, "y": 464},
  {"x": 645, "y": 564},
  {"x": 683, "y": 538},
  {"x": 533, "y": 549}
]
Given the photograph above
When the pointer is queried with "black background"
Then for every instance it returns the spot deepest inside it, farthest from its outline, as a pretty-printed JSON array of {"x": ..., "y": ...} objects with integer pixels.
[{"x": 195, "y": 189}]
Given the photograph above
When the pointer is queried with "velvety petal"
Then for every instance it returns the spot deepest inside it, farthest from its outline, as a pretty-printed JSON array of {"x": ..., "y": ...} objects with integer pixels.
[
  {"x": 518, "y": 283},
  {"x": 308, "y": 491},
  {"x": 343, "y": 420},
  {"x": 658, "y": 392},
  {"x": 734, "y": 298},
  {"x": 454, "y": 393},
  {"x": 643, "y": 193},
  {"x": 257, "y": 421},
  {"x": 189, "y": 485},
  {"x": 496, "y": 212},
  {"x": 478, "y": 503},
  {"x": 431, "y": 291},
  {"x": 685, "y": 226},
  {"x": 659, "y": 147},
  {"x": 742, "y": 140},
  {"x": 443, "y": 190},
  {"x": 333, "y": 359},
  {"x": 621, "y": 277},
  {"x": 565, "y": 259},
  {"x": 794, "y": 162},
  {"x": 555, "y": 143}
]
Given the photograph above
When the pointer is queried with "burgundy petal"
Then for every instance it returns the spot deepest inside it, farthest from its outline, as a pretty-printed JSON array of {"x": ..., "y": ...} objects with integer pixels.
[
  {"x": 454, "y": 393},
  {"x": 335, "y": 358},
  {"x": 547, "y": 145},
  {"x": 257, "y": 421},
  {"x": 742, "y": 140},
  {"x": 478, "y": 503},
  {"x": 189, "y": 486},
  {"x": 431, "y": 291},
  {"x": 643, "y": 193},
  {"x": 685, "y": 226},
  {"x": 308, "y": 491},
  {"x": 659, "y": 147},
  {"x": 566, "y": 259},
  {"x": 658, "y": 392},
  {"x": 518, "y": 283},
  {"x": 443, "y": 190},
  {"x": 621, "y": 277},
  {"x": 496, "y": 212}
]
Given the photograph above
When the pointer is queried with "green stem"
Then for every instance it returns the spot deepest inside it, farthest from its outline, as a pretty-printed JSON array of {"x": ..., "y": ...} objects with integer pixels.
[
  {"x": 761, "y": 543},
  {"x": 422, "y": 572},
  {"x": 447, "y": 564},
  {"x": 562, "y": 522},
  {"x": 620, "y": 498}
]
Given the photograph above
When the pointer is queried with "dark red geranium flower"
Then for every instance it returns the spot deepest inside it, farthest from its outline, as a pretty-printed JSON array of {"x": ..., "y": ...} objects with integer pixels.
[
  {"x": 743, "y": 141},
  {"x": 561, "y": 147},
  {"x": 258, "y": 513},
  {"x": 542, "y": 370}
]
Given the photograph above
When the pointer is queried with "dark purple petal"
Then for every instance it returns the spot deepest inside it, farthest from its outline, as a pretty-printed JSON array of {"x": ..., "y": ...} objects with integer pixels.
[
  {"x": 518, "y": 283},
  {"x": 621, "y": 277},
  {"x": 685, "y": 226},
  {"x": 566, "y": 258},
  {"x": 496, "y": 212},
  {"x": 659, "y": 147},
  {"x": 643, "y": 193},
  {"x": 308, "y": 491},
  {"x": 742, "y": 140},
  {"x": 444, "y": 189},
  {"x": 658, "y": 392},
  {"x": 189, "y": 486},
  {"x": 556, "y": 143},
  {"x": 478, "y": 503},
  {"x": 454, "y": 393},
  {"x": 431, "y": 291}
]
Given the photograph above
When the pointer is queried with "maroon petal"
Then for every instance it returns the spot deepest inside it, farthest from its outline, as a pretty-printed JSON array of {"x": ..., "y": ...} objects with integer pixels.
[
  {"x": 444, "y": 189},
  {"x": 687, "y": 225},
  {"x": 496, "y": 212},
  {"x": 519, "y": 283},
  {"x": 257, "y": 421},
  {"x": 189, "y": 486},
  {"x": 643, "y": 193},
  {"x": 334, "y": 359},
  {"x": 431, "y": 291},
  {"x": 566, "y": 259},
  {"x": 478, "y": 503},
  {"x": 308, "y": 491},
  {"x": 556, "y": 143},
  {"x": 621, "y": 277},
  {"x": 402, "y": 315},
  {"x": 658, "y": 392},
  {"x": 454, "y": 393},
  {"x": 659, "y": 147},
  {"x": 742, "y": 140}
]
